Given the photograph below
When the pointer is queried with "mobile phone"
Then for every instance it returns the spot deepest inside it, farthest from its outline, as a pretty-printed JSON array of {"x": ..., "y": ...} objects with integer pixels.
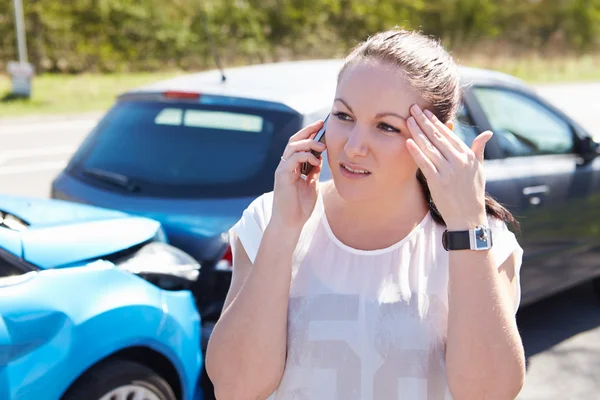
[{"x": 319, "y": 137}]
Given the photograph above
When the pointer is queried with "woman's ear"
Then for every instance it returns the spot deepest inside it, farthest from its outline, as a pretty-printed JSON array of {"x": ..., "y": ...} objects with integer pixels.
[{"x": 450, "y": 125}]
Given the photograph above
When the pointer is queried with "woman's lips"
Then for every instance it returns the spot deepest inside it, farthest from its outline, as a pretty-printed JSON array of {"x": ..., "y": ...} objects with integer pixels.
[{"x": 354, "y": 171}]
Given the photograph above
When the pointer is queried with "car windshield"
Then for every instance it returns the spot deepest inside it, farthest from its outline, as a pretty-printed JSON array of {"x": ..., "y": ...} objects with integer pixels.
[{"x": 184, "y": 149}]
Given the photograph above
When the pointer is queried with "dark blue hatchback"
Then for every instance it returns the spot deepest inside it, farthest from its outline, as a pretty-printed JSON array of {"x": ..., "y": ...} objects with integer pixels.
[
  {"x": 193, "y": 153},
  {"x": 191, "y": 166}
]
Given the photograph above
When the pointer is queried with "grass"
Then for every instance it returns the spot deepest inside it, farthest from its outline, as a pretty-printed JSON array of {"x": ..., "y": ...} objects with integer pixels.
[
  {"x": 65, "y": 94},
  {"x": 535, "y": 69}
]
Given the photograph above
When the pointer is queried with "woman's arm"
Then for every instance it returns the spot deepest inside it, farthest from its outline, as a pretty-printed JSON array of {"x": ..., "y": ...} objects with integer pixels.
[
  {"x": 484, "y": 354},
  {"x": 247, "y": 349}
]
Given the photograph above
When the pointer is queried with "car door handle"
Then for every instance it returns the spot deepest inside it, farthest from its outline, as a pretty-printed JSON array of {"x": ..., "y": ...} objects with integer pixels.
[
  {"x": 540, "y": 189},
  {"x": 534, "y": 194}
]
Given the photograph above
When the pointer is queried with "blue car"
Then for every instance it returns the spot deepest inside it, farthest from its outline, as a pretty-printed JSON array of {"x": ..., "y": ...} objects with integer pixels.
[{"x": 94, "y": 304}]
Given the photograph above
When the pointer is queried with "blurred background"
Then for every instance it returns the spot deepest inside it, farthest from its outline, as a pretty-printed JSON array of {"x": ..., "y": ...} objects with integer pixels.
[
  {"x": 85, "y": 52},
  {"x": 114, "y": 44}
]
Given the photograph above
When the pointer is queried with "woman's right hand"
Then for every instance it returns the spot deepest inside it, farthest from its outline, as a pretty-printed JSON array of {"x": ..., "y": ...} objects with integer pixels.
[{"x": 294, "y": 198}]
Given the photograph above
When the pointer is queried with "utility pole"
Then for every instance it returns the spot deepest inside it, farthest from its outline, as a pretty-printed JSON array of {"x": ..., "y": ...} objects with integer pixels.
[
  {"x": 20, "y": 24},
  {"x": 20, "y": 71}
]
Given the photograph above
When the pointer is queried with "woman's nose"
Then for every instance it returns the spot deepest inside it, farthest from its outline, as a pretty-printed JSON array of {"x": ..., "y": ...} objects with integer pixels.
[{"x": 356, "y": 143}]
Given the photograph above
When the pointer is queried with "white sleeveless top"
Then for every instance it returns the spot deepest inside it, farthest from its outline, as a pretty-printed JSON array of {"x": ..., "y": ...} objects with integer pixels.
[{"x": 366, "y": 325}]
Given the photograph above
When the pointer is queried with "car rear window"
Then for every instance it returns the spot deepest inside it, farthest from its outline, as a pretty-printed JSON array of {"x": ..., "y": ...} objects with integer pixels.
[{"x": 184, "y": 149}]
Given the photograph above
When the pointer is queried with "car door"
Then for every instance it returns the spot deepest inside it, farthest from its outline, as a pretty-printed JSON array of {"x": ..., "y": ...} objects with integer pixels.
[
  {"x": 5, "y": 346},
  {"x": 5, "y": 351},
  {"x": 505, "y": 186},
  {"x": 556, "y": 196},
  {"x": 11, "y": 274}
]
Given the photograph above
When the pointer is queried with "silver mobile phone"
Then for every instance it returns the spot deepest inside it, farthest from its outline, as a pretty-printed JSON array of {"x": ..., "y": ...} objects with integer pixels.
[{"x": 319, "y": 137}]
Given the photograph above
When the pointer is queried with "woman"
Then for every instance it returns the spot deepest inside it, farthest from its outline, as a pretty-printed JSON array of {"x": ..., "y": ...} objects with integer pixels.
[{"x": 344, "y": 290}]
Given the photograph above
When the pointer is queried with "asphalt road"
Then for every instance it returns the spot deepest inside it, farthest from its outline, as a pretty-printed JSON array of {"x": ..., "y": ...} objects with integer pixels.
[
  {"x": 561, "y": 334},
  {"x": 33, "y": 150}
]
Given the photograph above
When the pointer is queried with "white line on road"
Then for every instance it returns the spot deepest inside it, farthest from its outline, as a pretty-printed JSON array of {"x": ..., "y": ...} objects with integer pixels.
[
  {"x": 25, "y": 153},
  {"x": 35, "y": 167},
  {"x": 79, "y": 127}
]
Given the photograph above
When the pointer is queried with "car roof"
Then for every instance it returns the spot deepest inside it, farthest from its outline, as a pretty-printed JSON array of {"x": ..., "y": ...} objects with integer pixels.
[{"x": 306, "y": 86}]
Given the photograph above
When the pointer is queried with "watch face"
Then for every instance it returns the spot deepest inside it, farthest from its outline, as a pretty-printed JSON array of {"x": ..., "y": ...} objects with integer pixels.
[{"x": 483, "y": 239}]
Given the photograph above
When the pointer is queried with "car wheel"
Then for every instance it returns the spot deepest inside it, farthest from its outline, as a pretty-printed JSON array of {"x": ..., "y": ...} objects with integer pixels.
[{"x": 120, "y": 379}]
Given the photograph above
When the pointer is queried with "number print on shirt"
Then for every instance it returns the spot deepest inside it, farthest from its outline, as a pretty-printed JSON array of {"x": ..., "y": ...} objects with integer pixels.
[
  {"x": 311, "y": 347},
  {"x": 355, "y": 350},
  {"x": 411, "y": 358}
]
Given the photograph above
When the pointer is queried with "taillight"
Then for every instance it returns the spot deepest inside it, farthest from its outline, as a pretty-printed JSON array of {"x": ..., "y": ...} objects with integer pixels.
[
  {"x": 226, "y": 262},
  {"x": 176, "y": 94}
]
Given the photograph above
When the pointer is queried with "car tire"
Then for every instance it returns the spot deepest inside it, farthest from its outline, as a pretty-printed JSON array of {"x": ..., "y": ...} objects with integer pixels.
[{"x": 119, "y": 375}]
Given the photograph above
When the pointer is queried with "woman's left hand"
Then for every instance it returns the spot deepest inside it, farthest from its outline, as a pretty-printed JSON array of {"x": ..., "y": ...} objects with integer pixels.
[{"x": 454, "y": 171}]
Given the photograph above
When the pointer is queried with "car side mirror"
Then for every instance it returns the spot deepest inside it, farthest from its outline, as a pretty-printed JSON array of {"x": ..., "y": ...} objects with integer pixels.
[{"x": 589, "y": 149}]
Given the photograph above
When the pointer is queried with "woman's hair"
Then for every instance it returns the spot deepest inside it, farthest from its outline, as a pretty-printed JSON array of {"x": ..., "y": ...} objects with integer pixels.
[{"x": 432, "y": 72}]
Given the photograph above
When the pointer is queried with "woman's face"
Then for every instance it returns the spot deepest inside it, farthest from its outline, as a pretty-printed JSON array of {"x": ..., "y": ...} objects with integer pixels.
[{"x": 367, "y": 132}]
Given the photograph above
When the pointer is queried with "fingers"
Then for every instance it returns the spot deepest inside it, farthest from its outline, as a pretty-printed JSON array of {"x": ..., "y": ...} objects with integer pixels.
[
  {"x": 306, "y": 132},
  {"x": 478, "y": 146},
  {"x": 452, "y": 138},
  {"x": 422, "y": 161},
  {"x": 293, "y": 163},
  {"x": 301, "y": 149},
  {"x": 303, "y": 145},
  {"x": 313, "y": 175},
  {"x": 432, "y": 133},
  {"x": 302, "y": 157},
  {"x": 424, "y": 144}
]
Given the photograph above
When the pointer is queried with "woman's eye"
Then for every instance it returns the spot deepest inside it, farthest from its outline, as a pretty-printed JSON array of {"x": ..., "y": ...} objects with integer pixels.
[
  {"x": 388, "y": 128},
  {"x": 342, "y": 116}
]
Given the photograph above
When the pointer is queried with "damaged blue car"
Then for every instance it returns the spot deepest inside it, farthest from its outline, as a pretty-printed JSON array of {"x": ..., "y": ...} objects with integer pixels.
[{"x": 94, "y": 304}]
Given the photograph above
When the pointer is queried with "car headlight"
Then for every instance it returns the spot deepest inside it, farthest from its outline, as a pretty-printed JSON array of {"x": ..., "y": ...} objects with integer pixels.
[
  {"x": 160, "y": 235},
  {"x": 163, "y": 265}
]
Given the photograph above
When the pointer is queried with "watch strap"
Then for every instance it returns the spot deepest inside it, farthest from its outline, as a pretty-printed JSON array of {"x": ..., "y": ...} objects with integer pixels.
[
  {"x": 456, "y": 240},
  {"x": 479, "y": 238}
]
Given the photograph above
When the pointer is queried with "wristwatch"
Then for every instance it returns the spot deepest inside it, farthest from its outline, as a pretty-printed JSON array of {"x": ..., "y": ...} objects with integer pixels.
[{"x": 479, "y": 238}]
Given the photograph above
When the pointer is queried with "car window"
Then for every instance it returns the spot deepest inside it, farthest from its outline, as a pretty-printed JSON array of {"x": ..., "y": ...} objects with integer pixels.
[
  {"x": 7, "y": 269},
  {"x": 187, "y": 149},
  {"x": 464, "y": 127},
  {"x": 524, "y": 126},
  {"x": 211, "y": 119}
]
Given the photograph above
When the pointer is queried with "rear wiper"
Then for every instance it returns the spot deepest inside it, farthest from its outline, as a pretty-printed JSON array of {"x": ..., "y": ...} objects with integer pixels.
[{"x": 113, "y": 178}]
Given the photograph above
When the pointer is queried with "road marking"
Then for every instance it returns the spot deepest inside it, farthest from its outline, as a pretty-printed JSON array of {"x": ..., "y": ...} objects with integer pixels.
[
  {"x": 80, "y": 127},
  {"x": 35, "y": 167},
  {"x": 25, "y": 153}
]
